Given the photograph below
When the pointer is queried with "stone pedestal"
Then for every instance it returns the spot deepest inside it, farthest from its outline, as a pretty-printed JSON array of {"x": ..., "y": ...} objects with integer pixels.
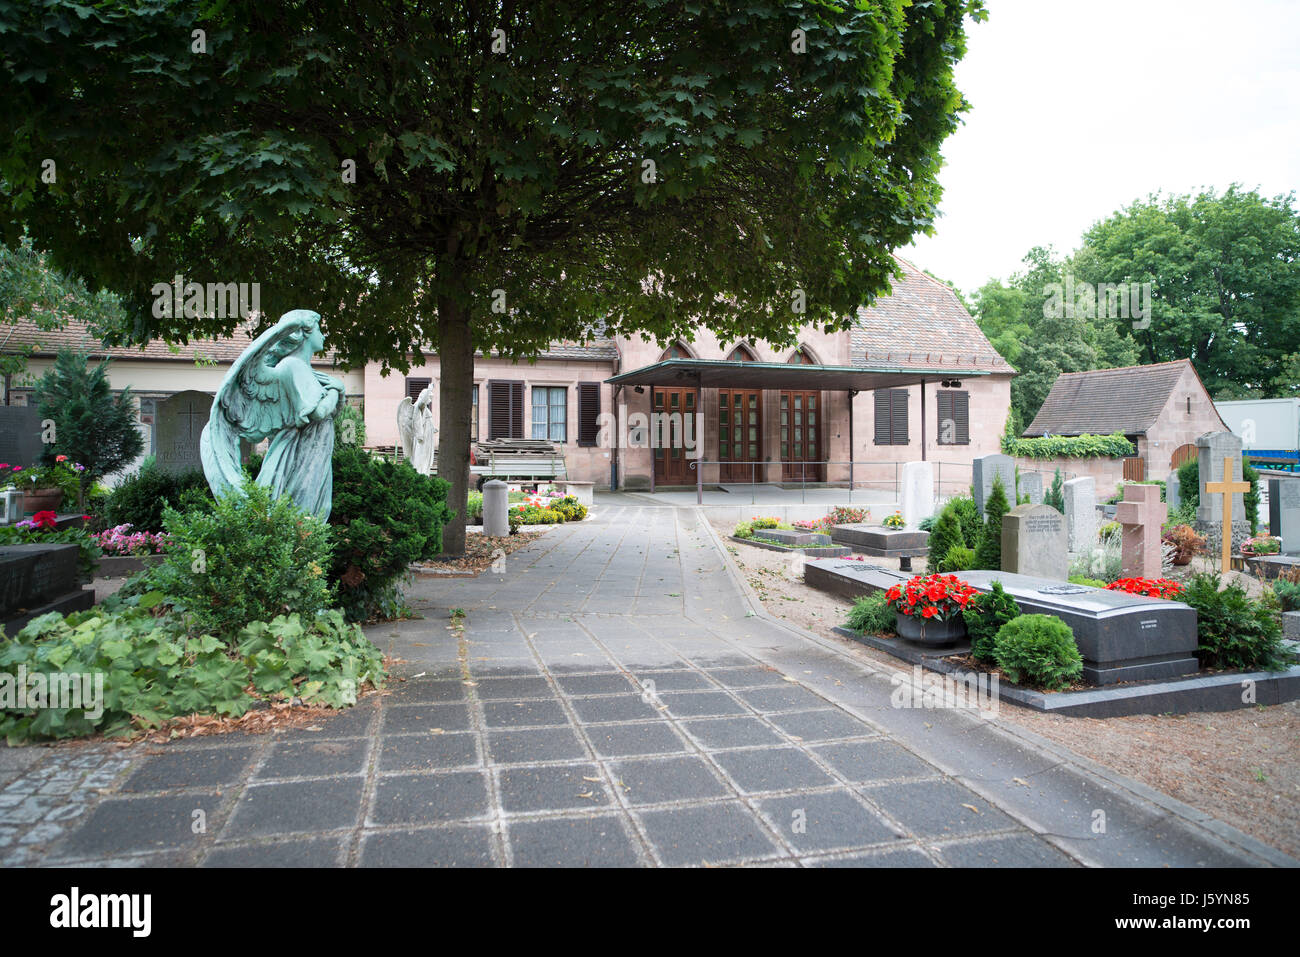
[{"x": 496, "y": 504}]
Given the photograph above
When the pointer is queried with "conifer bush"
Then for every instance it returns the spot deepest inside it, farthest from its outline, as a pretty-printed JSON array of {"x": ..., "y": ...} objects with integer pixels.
[
  {"x": 985, "y": 615},
  {"x": 1038, "y": 650},
  {"x": 988, "y": 553}
]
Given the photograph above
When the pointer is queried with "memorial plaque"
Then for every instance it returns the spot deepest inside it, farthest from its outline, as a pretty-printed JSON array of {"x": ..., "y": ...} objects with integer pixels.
[
  {"x": 179, "y": 423},
  {"x": 1034, "y": 542}
]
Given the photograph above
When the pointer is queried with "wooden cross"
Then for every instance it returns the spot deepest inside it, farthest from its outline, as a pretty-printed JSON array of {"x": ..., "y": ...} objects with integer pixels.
[{"x": 1226, "y": 488}]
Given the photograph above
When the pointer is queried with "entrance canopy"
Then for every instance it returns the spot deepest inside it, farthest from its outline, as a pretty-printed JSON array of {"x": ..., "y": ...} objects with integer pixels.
[{"x": 728, "y": 374}]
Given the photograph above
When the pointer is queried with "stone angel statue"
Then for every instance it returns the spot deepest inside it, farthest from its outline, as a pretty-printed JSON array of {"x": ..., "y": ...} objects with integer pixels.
[
  {"x": 415, "y": 425},
  {"x": 272, "y": 392}
]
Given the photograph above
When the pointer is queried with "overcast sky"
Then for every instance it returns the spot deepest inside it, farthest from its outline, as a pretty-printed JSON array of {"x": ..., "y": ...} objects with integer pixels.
[{"x": 1078, "y": 108}]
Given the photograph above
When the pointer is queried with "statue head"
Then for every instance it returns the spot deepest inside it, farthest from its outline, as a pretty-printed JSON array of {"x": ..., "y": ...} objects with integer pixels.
[{"x": 300, "y": 330}]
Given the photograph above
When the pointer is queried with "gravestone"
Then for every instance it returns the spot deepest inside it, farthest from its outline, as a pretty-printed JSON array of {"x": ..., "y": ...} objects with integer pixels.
[
  {"x": 1034, "y": 542},
  {"x": 36, "y": 579},
  {"x": 20, "y": 435},
  {"x": 881, "y": 542},
  {"x": 1080, "y": 513},
  {"x": 1142, "y": 514},
  {"x": 1212, "y": 449},
  {"x": 1031, "y": 485},
  {"x": 178, "y": 426},
  {"x": 983, "y": 470},
  {"x": 1173, "y": 491},
  {"x": 1284, "y": 512},
  {"x": 916, "y": 495}
]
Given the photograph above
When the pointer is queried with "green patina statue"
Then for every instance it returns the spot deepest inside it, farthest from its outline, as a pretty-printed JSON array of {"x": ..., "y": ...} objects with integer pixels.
[{"x": 272, "y": 390}]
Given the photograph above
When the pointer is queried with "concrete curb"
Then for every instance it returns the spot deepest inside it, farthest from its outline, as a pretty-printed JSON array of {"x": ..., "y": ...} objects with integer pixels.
[{"x": 1213, "y": 829}]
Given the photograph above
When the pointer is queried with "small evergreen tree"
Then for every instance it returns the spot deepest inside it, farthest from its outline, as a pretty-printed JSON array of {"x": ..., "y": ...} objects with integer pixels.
[
  {"x": 945, "y": 535},
  {"x": 92, "y": 426},
  {"x": 988, "y": 554},
  {"x": 1055, "y": 496}
]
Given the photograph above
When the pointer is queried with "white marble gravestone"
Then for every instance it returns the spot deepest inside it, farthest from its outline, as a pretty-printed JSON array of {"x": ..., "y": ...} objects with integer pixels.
[
  {"x": 1080, "y": 513},
  {"x": 916, "y": 494}
]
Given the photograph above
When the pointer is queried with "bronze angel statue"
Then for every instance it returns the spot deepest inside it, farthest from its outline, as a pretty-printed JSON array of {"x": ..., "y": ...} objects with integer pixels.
[{"x": 272, "y": 392}]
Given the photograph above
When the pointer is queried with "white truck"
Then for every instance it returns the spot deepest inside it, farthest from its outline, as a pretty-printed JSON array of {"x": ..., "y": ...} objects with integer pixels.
[{"x": 1269, "y": 428}]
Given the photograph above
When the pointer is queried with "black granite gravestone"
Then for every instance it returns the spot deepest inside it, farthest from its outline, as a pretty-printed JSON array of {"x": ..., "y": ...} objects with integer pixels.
[{"x": 35, "y": 579}]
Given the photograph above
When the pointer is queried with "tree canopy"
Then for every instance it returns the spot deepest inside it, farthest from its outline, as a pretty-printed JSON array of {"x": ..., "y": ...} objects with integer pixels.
[{"x": 482, "y": 175}]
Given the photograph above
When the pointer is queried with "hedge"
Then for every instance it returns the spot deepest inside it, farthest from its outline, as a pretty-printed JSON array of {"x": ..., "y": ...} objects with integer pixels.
[{"x": 1073, "y": 447}]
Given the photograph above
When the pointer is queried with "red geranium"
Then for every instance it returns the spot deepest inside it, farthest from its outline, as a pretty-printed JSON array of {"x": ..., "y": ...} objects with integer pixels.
[
  {"x": 1150, "y": 587},
  {"x": 45, "y": 519},
  {"x": 937, "y": 597}
]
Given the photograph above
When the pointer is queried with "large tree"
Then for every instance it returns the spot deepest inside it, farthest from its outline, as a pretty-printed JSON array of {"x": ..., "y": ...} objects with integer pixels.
[
  {"x": 1225, "y": 275},
  {"x": 481, "y": 175}
]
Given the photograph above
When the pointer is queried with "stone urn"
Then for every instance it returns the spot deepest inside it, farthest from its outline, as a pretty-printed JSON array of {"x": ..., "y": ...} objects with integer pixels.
[
  {"x": 42, "y": 500},
  {"x": 928, "y": 631}
]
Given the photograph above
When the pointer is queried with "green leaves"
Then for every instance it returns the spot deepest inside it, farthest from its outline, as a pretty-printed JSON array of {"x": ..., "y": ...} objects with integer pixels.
[{"x": 1084, "y": 446}]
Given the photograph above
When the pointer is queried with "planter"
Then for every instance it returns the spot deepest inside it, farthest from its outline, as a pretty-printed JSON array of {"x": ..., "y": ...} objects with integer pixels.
[
  {"x": 42, "y": 500},
  {"x": 927, "y": 631},
  {"x": 118, "y": 566}
]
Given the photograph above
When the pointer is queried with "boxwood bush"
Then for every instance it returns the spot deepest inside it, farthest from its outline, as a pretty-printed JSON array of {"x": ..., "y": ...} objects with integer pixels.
[
  {"x": 140, "y": 499},
  {"x": 1038, "y": 650}
]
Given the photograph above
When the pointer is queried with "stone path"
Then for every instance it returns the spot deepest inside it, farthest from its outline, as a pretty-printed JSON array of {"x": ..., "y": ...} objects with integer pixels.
[{"x": 612, "y": 698}]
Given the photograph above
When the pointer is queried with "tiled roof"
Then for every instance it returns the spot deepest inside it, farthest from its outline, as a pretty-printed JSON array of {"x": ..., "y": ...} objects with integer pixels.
[
  {"x": 1128, "y": 400},
  {"x": 921, "y": 324}
]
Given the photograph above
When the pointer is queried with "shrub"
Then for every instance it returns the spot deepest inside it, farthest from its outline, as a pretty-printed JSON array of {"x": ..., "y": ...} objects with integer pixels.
[
  {"x": 140, "y": 499},
  {"x": 744, "y": 530},
  {"x": 968, "y": 517},
  {"x": 925, "y": 525},
  {"x": 945, "y": 537},
  {"x": 1250, "y": 498},
  {"x": 1189, "y": 482},
  {"x": 570, "y": 509},
  {"x": 959, "y": 558},
  {"x": 985, "y": 615},
  {"x": 1055, "y": 495},
  {"x": 988, "y": 553},
  {"x": 249, "y": 558},
  {"x": 1233, "y": 630},
  {"x": 152, "y": 670},
  {"x": 871, "y": 615},
  {"x": 1085, "y": 580},
  {"x": 1083, "y": 446},
  {"x": 385, "y": 517},
  {"x": 1038, "y": 650},
  {"x": 1288, "y": 594},
  {"x": 474, "y": 505}
]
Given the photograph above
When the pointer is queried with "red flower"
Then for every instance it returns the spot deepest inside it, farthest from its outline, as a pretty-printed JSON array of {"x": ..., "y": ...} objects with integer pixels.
[
  {"x": 60, "y": 458},
  {"x": 45, "y": 519},
  {"x": 929, "y": 611}
]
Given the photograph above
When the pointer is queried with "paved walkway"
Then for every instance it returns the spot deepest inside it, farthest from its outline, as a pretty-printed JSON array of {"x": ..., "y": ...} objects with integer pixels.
[{"x": 612, "y": 699}]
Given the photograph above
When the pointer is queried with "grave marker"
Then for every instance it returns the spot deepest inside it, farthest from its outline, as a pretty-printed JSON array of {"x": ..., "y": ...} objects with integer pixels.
[
  {"x": 1034, "y": 542},
  {"x": 178, "y": 426},
  {"x": 983, "y": 470},
  {"x": 1080, "y": 513},
  {"x": 1142, "y": 514},
  {"x": 1227, "y": 509},
  {"x": 1284, "y": 512},
  {"x": 1031, "y": 485},
  {"x": 916, "y": 495}
]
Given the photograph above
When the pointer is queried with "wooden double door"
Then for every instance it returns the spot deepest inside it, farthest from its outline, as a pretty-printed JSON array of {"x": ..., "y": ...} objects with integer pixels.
[
  {"x": 740, "y": 435},
  {"x": 801, "y": 433},
  {"x": 673, "y": 424}
]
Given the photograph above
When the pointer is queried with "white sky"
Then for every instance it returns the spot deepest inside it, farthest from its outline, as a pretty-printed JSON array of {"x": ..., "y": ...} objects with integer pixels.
[{"x": 1078, "y": 108}]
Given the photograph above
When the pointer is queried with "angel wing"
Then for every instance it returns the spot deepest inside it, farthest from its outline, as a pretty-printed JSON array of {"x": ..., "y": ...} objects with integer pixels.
[
  {"x": 251, "y": 404},
  {"x": 406, "y": 425}
]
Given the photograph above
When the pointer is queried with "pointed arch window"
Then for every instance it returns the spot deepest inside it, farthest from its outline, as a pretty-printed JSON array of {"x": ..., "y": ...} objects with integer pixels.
[
  {"x": 741, "y": 354},
  {"x": 675, "y": 351},
  {"x": 802, "y": 357}
]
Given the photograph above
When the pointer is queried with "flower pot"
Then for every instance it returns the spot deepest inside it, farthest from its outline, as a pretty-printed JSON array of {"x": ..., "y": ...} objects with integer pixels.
[
  {"x": 927, "y": 631},
  {"x": 42, "y": 500}
]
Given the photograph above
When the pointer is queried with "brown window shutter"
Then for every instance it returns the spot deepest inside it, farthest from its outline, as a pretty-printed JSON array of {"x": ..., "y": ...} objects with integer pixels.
[
  {"x": 943, "y": 403},
  {"x": 415, "y": 386},
  {"x": 961, "y": 413},
  {"x": 883, "y": 401},
  {"x": 588, "y": 412},
  {"x": 505, "y": 410},
  {"x": 899, "y": 429}
]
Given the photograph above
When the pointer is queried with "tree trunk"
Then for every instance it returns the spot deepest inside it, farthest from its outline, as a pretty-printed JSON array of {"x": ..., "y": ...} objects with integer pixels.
[{"x": 456, "y": 368}]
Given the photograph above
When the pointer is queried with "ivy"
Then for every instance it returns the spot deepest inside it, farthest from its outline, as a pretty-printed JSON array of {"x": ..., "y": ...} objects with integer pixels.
[{"x": 1084, "y": 446}]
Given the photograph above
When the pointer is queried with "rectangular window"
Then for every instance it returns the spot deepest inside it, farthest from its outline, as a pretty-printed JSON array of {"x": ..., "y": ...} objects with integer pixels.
[
  {"x": 891, "y": 416},
  {"x": 550, "y": 413},
  {"x": 473, "y": 417},
  {"x": 588, "y": 413},
  {"x": 505, "y": 410},
  {"x": 954, "y": 417},
  {"x": 415, "y": 386}
]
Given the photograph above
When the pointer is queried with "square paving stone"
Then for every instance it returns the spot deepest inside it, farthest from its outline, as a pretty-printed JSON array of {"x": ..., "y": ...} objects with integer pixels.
[
  {"x": 494, "y": 689},
  {"x": 825, "y": 822},
  {"x": 1014, "y": 851},
  {"x": 732, "y": 732},
  {"x": 427, "y": 752},
  {"x": 718, "y": 659},
  {"x": 535, "y": 744},
  {"x": 938, "y": 808},
  {"x": 456, "y": 846},
  {"x": 877, "y": 760},
  {"x": 659, "y": 681},
  {"x": 660, "y": 780},
  {"x": 209, "y": 767},
  {"x": 755, "y": 677},
  {"x": 307, "y": 759},
  {"x": 426, "y": 691},
  {"x": 552, "y": 788},
  {"x": 617, "y": 683},
  {"x": 430, "y": 798},
  {"x": 266, "y": 809},
  {"x": 523, "y": 714},
  {"x": 142, "y": 824},
  {"x": 902, "y": 857},
  {"x": 423, "y": 718},
  {"x": 571, "y": 664},
  {"x": 646, "y": 737},
  {"x": 318, "y": 852},
  {"x": 690, "y": 704},
  {"x": 566, "y": 842},
  {"x": 351, "y": 722},
  {"x": 486, "y": 666},
  {"x": 624, "y": 707},
  {"x": 821, "y": 725},
  {"x": 714, "y": 834},
  {"x": 772, "y": 769},
  {"x": 788, "y": 698}
]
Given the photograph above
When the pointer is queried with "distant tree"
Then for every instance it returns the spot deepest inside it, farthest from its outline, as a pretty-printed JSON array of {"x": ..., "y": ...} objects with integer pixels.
[
  {"x": 1055, "y": 496},
  {"x": 483, "y": 177},
  {"x": 988, "y": 553},
  {"x": 93, "y": 425}
]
